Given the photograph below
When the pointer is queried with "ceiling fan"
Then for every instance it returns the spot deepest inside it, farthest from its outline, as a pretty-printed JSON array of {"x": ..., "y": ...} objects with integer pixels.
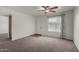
[{"x": 48, "y": 9}]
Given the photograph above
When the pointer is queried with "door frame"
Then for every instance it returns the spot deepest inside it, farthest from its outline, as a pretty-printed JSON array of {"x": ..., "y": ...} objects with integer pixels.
[{"x": 10, "y": 26}]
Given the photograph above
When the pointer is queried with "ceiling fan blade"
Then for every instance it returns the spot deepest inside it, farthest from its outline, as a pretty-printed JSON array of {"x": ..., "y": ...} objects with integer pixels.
[
  {"x": 53, "y": 11},
  {"x": 43, "y": 6},
  {"x": 54, "y": 7},
  {"x": 47, "y": 6}
]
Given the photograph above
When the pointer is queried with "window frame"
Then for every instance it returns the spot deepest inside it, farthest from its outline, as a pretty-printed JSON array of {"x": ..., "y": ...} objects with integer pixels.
[{"x": 60, "y": 24}]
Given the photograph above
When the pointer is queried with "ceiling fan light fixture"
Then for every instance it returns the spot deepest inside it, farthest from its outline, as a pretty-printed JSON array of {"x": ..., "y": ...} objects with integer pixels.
[{"x": 48, "y": 9}]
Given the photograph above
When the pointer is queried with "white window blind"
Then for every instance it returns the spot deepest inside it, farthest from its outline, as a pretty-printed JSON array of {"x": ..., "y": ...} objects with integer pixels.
[{"x": 54, "y": 24}]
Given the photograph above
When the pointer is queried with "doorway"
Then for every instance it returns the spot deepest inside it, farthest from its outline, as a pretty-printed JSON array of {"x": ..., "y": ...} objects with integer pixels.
[{"x": 5, "y": 28}]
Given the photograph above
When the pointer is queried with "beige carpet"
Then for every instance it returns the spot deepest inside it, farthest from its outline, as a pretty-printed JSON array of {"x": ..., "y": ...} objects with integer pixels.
[{"x": 38, "y": 44}]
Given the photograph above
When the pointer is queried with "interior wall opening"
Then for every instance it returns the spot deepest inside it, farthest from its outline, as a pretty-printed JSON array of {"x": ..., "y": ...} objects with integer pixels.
[{"x": 5, "y": 28}]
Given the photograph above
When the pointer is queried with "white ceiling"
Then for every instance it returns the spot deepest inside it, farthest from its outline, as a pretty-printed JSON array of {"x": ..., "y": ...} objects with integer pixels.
[{"x": 32, "y": 10}]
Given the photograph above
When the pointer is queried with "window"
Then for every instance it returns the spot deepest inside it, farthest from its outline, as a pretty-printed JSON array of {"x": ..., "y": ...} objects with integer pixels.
[{"x": 54, "y": 24}]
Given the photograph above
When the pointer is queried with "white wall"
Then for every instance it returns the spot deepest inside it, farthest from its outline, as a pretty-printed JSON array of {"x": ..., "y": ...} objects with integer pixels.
[
  {"x": 42, "y": 26},
  {"x": 68, "y": 25},
  {"x": 3, "y": 24},
  {"x": 22, "y": 25},
  {"x": 76, "y": 27}
]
